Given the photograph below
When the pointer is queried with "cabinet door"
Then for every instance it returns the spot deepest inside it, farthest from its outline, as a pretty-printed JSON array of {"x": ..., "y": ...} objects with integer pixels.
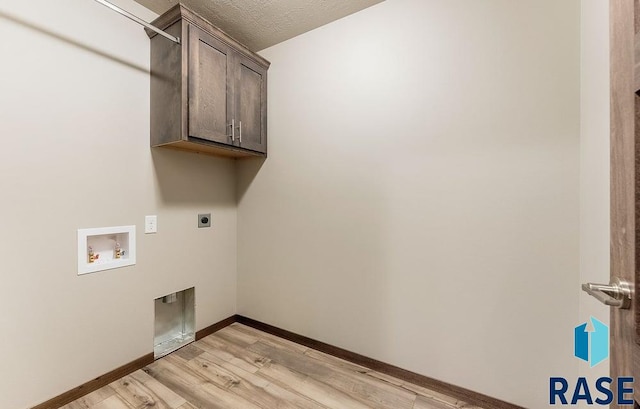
[
  {"x": 251, "y": 105},
  {"x": 210, "y": 88}
]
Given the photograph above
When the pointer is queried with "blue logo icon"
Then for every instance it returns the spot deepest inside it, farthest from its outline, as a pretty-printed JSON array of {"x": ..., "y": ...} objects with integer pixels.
[{"x": 591, "y": 346}]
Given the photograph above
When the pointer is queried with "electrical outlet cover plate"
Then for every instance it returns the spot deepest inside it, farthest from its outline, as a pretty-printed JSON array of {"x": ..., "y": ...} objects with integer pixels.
[
  {"x": 151, "y": 224},
  {"x": 204, "y": 220}
]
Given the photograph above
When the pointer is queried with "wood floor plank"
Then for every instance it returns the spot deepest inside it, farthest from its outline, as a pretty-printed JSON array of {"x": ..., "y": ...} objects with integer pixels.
[
  {"x": 420, "y": 391},
  {"x": 284, "y": 377},
  {"x": 193, "y": 394},
  {"x": 427, "y": 403},
  {"x": 368, "y": 386},
  {"x": 188, "y": 352},
  {"x": 206, "y": 361},
  {"x": 113, "y": 402},
  {"x": 230, "y": 352},
  {"x": 241, "y": 358},
  {"x": 335, "y": 361},
  {"x": 311, "y": 388},
  {"x": 138, "y": 393},
  {"x": 270, "y": 395},
  {"x": 172, "y": 399},
  {"x": 369, "y": 391},
  {"x": 375, "y": 380},
  {"x": 200, "y": 391},
  {"x": 374, "y": 396},
  {"x": 247, "y": 336},
  {"x": 266, "y": 336},
  {"x": 236, "y": 337},
  {"x": 91, "y": 399},
  {"x": 432, "y": 395},
  {"x": 240, "y": 385},
  {"x": 361, "y": 374}
]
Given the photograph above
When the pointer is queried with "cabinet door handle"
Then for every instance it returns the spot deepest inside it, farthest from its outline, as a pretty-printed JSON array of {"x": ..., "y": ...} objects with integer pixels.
[
  {"x": 233, "y": 130},
  {"x": 240, "y": 128}
]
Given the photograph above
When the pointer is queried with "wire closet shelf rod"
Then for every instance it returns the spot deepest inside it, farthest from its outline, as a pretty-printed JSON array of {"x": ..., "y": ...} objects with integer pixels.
[{"x": 138, "y": 20}]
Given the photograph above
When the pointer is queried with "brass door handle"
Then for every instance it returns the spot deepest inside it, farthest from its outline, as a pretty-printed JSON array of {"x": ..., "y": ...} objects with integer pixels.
[{"x": 615, "y": 294}]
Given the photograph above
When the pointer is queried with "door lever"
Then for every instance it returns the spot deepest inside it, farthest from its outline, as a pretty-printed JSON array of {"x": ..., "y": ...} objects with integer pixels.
[{"x": 615, "y": 294}]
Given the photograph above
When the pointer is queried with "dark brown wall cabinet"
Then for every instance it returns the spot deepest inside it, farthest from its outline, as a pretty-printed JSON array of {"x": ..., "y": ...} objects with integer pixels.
[{"x": 208, "y": 94}]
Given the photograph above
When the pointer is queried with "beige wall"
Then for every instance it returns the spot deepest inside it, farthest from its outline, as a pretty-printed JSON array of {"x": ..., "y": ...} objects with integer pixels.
[
  {"x": 74, "y": 120},
  {"x": 420, "y": 200},
  {"x": 594, "y": 162}
]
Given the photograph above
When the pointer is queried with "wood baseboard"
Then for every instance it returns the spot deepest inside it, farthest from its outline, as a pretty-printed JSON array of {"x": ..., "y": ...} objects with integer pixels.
[
  {"x": 96, "y": 383},
  {"x": 463, "y": 394},
  {"x": 216, "y": 327},
  {"x": 118, "y": 373}
]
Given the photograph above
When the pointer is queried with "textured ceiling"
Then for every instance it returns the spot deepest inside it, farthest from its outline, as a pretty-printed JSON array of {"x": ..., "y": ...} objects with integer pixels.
[{"x": 259, "y": 24}]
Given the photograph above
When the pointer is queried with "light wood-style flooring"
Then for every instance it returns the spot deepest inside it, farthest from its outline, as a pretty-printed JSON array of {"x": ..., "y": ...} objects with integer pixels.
[{"x": 240, "y": 367}]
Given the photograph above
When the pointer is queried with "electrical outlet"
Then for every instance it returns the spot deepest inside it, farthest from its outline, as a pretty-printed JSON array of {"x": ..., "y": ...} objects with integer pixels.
[
  {"x": 204, "y": 220},
  {"x": 150, "y": 224}
]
